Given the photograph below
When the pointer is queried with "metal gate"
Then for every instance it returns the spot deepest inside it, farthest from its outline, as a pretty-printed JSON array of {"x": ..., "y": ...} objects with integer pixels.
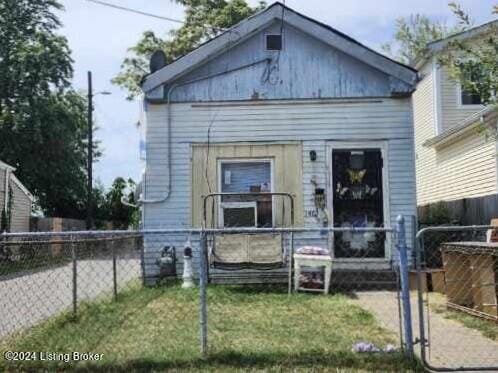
[{"x": 456, "y": 277}]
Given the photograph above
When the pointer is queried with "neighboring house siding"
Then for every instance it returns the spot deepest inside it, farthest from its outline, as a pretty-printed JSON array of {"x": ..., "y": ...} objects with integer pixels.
[
  {"x": 21, "y": 209},
  {"x": 452, "y": 113},
  {"x": 20, "y": 204},
  {"x": 313, "y": 123},
  {"x": 424, "y": 119},
  {"x": 2, "y": 189},
  {"x": 464, "y": 168}
]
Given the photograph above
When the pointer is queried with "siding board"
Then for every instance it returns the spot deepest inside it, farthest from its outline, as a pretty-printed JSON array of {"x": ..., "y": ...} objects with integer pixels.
[{"x": 389, "y": 120}]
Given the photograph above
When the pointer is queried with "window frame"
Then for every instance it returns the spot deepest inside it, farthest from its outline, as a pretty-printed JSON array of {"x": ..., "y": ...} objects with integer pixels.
[
  {"x": 265, "y": 42},
  {"x": 235, "y": 205},
  {"x": 460, "y": 103},
  {"x": 223, "y": 205}
]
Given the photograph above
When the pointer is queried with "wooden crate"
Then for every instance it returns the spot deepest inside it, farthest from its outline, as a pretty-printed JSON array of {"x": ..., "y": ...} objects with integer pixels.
[
  {"x": 471, "y": 277},
  {"x": 432, "y": 280}
]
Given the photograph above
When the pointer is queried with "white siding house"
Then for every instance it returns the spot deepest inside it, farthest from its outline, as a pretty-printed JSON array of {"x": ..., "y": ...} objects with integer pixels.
[
  {"x": 454, "y": 160},
  {"x": 15, "y": 199},
  {"x": 305, "y": 110}
]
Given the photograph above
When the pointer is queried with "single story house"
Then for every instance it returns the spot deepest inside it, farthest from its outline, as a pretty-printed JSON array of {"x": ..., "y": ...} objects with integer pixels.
[
  {"x": 280, "y": 103},
  {"x": 455, "y": 160},
  {"x": 15, "y": 200}
]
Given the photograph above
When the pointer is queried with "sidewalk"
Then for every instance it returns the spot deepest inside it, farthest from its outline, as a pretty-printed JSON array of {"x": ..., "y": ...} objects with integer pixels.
[{"x": 451, "y": 344}]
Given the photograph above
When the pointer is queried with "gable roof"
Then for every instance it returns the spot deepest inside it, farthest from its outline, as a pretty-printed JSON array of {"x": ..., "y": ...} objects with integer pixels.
[
  {"x": 5, "y": 166},
  {"x": 15, "y": 180},
  {"x": 258, "y": 21},
  {"x": 438, "y": 45}
]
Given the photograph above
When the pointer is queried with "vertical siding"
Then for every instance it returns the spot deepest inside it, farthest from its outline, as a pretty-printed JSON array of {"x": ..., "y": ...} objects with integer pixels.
[
  {"x": 287, "y": 176},
  {"x": 313, "y": 123},
  {"x": 307, "y": 68},
  {"x": 452, "y": 113}
]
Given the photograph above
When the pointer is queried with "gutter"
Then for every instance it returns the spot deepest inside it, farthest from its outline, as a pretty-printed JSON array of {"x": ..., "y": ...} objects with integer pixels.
[{"x": 468, "y": 124}]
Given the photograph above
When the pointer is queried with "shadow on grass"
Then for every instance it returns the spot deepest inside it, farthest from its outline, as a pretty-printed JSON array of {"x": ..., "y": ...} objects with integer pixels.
[{"x": 235, "y": 361}]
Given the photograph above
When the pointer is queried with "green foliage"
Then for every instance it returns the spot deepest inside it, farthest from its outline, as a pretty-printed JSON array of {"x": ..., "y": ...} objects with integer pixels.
[
  {"x": 204, "y": 19},
  {"x": 412, "y": 36},
  {"x": 42, "y": 121},
  {"x": 109, "y": 208},
  {"x": 33, "y": 58},
  {"x": 436, "y": 214},
  {"x": 48, "y": 147},
  {"x": 473, "y": 61}
]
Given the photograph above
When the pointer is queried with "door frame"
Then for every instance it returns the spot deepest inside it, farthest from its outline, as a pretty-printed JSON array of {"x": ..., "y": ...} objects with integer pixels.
[{"x": 383, "y": 146}]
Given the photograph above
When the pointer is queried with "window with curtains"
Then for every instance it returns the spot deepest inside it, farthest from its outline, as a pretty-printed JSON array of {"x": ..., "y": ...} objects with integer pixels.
[{"x": 246, "y": 176}]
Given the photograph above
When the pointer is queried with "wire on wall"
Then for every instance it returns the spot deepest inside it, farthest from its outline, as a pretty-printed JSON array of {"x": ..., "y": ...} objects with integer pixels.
[{"x": 271, "y": 74}]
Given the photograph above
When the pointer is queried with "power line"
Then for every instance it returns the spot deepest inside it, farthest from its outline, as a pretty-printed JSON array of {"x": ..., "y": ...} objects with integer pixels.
[
  {"x": 135, "y": 11},
  {"x": 126, "y": 9}
]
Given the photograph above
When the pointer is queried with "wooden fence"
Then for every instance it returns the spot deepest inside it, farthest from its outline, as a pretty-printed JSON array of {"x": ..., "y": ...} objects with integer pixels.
[{"x": 468, "y": 211}]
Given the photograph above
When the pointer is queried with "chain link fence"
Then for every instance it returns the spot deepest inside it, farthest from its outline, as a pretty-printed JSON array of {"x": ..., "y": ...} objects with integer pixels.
[
  {"x": 118, "y": 301},
  {"x": 457, "y": 281}
]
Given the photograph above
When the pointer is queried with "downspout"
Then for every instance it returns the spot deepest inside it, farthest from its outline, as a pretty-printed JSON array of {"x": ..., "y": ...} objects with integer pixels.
[
  {"x": 168, "y": 125},
  {"x": 6, "y": 199}
]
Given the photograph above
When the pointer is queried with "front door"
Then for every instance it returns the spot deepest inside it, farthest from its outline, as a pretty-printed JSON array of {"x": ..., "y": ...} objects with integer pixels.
[{"x": 358, "y": 201}]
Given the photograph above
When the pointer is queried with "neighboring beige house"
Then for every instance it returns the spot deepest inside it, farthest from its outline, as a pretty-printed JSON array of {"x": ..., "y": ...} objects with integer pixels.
[
  {"x": 454, "y": 160},
  {"x": 19, "y": 199}
]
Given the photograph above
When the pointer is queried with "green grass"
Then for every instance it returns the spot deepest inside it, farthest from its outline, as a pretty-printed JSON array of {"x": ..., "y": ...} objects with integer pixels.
[
  {"x": 250, "y": 328},
  {"x": 487, "y": 328}
]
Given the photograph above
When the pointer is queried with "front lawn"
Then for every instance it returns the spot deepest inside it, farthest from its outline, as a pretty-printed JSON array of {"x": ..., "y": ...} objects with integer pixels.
[{"x": 250, "y": 328}]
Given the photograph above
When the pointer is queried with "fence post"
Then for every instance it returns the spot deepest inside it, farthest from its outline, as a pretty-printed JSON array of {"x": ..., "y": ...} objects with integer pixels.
[
  {"x": 75, "y": 277},
  {"x": 405, "y": 288},
  {"x": 202, "y": 292},
  {"x": 114, "y": 270}
]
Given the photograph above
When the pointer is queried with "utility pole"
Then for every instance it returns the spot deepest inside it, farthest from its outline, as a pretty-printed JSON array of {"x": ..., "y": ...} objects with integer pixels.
[{"x": 89, "y": 202}]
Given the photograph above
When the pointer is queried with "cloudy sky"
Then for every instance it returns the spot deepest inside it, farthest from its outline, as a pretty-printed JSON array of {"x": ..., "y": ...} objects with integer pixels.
[{"x": 99, "y": 38}]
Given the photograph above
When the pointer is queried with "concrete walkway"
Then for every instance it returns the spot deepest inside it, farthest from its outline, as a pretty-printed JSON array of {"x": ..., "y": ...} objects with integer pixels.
[
  {"x": 451, "y": 343},
  {"x": 29, "y": 298}
]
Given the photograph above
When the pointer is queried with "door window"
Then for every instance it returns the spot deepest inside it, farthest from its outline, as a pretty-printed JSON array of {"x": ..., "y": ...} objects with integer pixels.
[{"x": 358, "y": 202}]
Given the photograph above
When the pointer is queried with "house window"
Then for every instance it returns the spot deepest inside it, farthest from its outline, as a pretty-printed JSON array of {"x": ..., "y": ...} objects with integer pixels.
[
  {"x": 251, "y": 176},
  {"x": 273, "y": 42},
  {"x": 471, "y": 97}
]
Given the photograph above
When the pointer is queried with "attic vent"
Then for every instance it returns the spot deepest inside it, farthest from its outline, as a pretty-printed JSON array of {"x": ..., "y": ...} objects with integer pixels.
[{"x": 273, "y": 42}]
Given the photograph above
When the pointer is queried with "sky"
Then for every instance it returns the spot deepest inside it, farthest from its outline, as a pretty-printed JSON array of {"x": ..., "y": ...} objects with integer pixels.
[{"x": 100, "y": 36}]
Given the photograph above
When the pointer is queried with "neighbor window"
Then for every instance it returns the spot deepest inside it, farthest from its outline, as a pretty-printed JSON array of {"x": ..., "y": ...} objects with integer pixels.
[
  {"x": 242, "y": 210},
  {"x": 471, "y": 97}
]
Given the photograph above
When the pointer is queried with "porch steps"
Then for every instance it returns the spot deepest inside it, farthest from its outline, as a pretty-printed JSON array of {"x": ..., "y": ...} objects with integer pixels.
[
  {"x": 342, "y": 280},
  {"x": 349, "y": 280}
]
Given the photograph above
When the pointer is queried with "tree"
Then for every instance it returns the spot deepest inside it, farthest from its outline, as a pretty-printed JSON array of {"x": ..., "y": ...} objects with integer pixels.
[
  {"x": 412, "y": 36},
  {"x": 474, "y": 63},
  {"x": 204, "y": 19},
  {"x": 42, "y": 121},
  {"x": 109, "y": 207}
]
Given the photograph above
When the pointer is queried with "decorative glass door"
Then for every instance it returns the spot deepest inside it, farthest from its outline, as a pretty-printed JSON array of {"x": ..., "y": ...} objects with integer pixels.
[{"x": 358, "y": 202}]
